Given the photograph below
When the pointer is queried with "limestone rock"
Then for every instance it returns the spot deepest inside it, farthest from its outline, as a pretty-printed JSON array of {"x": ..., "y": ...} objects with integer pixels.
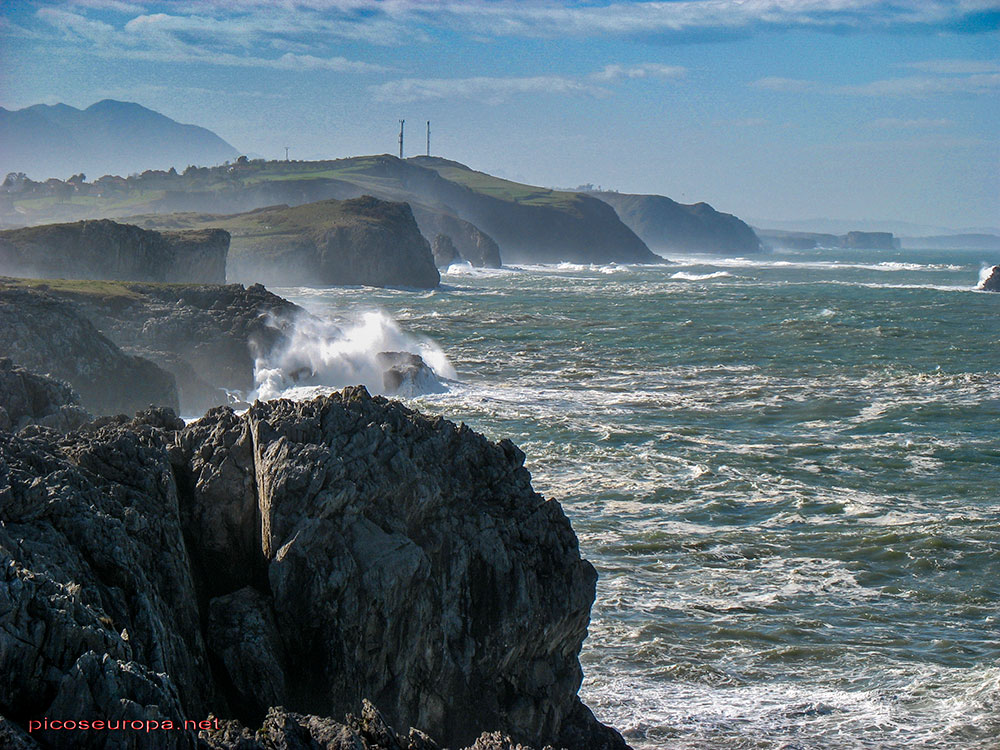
[
  {"x": 444, "y": 251},
  {"x": 49, "y": 335},
  {"x": 283, "y": 568},
  {"x": 406, "y": 374},
  {"x": 105, "y": 249},
  {"x": 27, "y": 398}
]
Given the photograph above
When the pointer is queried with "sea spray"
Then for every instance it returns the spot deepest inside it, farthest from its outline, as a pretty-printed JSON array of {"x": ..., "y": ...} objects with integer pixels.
[{"x": 320, "y": 355}]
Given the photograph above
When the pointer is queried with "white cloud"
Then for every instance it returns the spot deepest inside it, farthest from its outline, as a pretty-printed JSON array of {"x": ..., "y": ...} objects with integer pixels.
[
  {"x": 955, "y": 66},
  {"x": 160, "y": 37},
  {"x": 920, "y": 123},
  {"x": 910, "y": 86},
  {"x": 790, "y": 85},
  {"x": 484, "y": 89},
  {"x": 645, "y": 70},
  {"x": 921, "y": 86}
]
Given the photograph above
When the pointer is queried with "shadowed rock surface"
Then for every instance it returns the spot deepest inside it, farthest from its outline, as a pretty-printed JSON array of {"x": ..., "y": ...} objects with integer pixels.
[
  {"x": 470, "y": 242},
  {"x": 444, "y": 251},
  {"x": 992, "y": 281},
  {"x": 306, "y": 555},
  {"x": 206, "y": 336},
  {"x": 27, "y": 398},
  {"x": 667, "y": 225},
  {"x": 50, "y": 335},
  {"x": 104, "y": 249}
]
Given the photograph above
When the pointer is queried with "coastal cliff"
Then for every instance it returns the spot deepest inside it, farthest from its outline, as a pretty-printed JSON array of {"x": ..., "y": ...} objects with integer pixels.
[
  {"x": 668, "y": 226},
  {"x": 104, "y": 249},
  {"x": 50, "y": 335},
  {"x": 361, "y": 241},
  {"x": 313, "y": 556}
]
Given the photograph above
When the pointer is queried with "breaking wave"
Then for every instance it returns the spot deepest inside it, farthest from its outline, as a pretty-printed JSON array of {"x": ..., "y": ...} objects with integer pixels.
[{"x": 320, "y": 355}]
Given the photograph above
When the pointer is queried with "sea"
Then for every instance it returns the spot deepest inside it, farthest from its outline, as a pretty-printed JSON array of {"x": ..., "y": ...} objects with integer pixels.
[{"x": 785, "y": 468}]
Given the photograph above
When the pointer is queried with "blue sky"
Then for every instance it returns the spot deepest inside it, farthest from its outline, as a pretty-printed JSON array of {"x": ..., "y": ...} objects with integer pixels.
[{"x": 770, "y": 109}]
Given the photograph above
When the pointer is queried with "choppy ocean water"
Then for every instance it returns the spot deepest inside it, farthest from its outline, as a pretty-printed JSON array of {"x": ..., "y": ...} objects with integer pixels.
[{"x": 784, "y": 468}]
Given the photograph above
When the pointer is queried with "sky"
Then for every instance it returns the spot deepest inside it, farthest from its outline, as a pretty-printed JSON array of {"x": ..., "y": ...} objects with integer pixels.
[{"x": 887, "y": 110}]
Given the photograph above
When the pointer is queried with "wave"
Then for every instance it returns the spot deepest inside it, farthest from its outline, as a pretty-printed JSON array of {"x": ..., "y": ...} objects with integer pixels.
[
  {"x": 700, "y": 276},
  {"x": 319, "y": 354},
  {"x": 984, "y": 273}
]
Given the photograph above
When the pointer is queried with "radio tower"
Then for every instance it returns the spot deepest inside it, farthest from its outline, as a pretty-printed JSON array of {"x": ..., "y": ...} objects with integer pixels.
[
  {"x": 428, "y": 137},
  {"x": 401, "y": 138}
]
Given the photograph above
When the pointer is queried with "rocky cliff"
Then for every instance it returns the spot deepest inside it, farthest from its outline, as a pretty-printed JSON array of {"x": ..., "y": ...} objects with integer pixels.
[
  {"x": 360, "y": 241},
  {"x": 50, "y": 335},
  {"x": 104, "y": 249},
  {"x": 668, "y": 226},
  {"x": 312, "y": 556}
]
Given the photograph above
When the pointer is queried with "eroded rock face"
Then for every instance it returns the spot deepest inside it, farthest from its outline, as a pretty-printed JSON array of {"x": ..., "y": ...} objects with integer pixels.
[
  {"x": 105, "y": 249},
  {"x": 305, "y": 555},
  {"x": 50, "y": 335},
  {"x": 27, "y": 398},
  {"x": 444, "y": 251}
]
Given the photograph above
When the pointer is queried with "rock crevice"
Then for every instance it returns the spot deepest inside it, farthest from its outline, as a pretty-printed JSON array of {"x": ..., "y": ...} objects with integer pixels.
[{"x": 305, "y": 555}]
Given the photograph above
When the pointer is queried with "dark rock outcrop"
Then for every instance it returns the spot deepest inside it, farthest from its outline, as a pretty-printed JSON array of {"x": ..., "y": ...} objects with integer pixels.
[
  {"x": 668, "y": 226},
  {"x": 470, "y": 242},
  {"x": 50, "y": 335},
  {"x": 27, "y": 398},
  {"x": 444, "y": 251},
  {"x": 406, "y": 374},
  {"x": 310, "y": 555},
  {"x": 991, "y": 280},
  {"x": 207, "y": 336},
  {"x": 104, "y": 249}
]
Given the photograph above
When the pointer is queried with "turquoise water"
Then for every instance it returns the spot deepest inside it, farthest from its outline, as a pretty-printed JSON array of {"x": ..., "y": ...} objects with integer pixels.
[{"x": 785, "y": 471}]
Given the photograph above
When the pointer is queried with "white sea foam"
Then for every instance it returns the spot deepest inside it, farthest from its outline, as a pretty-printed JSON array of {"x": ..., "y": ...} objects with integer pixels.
[
  {"x": 322, "y": 354},
  {"x": 984, "y": 273},
  {"x": 684, "y": 275}
]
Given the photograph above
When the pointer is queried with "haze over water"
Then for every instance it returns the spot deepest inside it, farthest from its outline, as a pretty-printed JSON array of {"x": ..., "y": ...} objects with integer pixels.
[{"x": 785, "y": 470}]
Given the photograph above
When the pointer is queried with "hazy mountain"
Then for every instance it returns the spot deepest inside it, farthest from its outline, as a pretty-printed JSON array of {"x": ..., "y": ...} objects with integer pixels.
[{"x": 108, "y": 137}]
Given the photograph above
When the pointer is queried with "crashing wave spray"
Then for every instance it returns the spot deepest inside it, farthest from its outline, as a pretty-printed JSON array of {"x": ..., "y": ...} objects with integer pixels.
[{"x": 318, "y": 355}]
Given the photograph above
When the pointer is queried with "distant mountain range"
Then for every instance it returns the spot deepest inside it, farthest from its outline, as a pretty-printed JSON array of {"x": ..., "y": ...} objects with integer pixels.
[{"x": 109, "y": 137}]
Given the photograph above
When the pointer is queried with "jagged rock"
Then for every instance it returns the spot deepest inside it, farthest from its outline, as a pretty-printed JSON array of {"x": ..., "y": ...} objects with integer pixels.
[
  {"x": 406, "y": 374},
  {"x": 206, "y": 336},
  {"x": 48, "y": 335},
  {"x": 991, "y": 280},
  {"x": 306, "y": 555},
  {"x": 104, "y": 249},
  {"x": 27, "y": 398},
  {"x": 470, "y": 242},
  {"x": 444, "y": 251}
]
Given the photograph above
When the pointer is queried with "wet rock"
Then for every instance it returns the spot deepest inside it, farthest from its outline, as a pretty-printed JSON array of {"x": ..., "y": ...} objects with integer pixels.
[
  {"x": 406, "y": 374},
  {"x": 991, "y": 282}
]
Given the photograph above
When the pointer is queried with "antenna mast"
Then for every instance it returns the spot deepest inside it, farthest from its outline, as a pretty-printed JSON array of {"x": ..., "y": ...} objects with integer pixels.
[
  {"x": 286, "y": 153},
  {"x": 428, "y": 137},
  {"x": 401, "y": 138}
]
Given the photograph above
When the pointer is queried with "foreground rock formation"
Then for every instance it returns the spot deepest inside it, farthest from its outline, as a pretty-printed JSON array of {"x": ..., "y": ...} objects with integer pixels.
[
  {"x": 103, "y": 249},
  {"x": 309, "y": 556}
]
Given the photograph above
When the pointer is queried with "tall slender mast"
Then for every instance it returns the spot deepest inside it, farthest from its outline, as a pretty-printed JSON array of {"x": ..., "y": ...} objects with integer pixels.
[
  {"x": 428, "y": 137},
  {"x": 401, "y": 138}
]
